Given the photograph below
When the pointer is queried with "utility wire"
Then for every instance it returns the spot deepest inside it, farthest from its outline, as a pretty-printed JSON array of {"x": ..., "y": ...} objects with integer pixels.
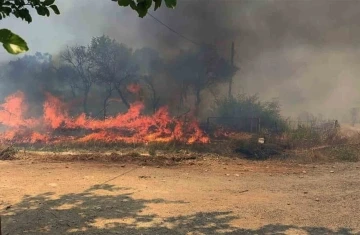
[{"x": 172, "y": 30}]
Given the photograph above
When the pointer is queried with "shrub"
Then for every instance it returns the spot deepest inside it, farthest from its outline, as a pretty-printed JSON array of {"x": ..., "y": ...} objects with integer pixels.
[
  {"x": 7, "y": 153},
  {"x": 244, "y": 106}
]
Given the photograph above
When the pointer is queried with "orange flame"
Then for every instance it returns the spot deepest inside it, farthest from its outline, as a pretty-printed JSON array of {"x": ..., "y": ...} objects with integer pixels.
[{"x": 130, "y": 127}]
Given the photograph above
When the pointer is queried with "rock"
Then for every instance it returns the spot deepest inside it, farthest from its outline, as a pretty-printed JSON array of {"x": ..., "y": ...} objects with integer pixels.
[
  {"x": 305, "y": 192},
  {"x": 227, "y": 174},
  {"x": 122, "y": 166},
  {"x": 144, "y": 177},
  {"x": 317, "y": 199},
  {"x": 237, "y": 175},
  {"x": 288, "y": 204},
  {"x": 304, "y": 172},
  {"x": 331, "y": 171}
]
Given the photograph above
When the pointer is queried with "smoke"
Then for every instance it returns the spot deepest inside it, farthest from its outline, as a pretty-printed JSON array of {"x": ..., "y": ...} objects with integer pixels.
[{"x": 305, "y": 53}]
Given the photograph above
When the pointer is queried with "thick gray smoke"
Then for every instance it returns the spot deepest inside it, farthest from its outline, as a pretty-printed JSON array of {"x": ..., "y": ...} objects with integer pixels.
[{"x": 305, "y": 53}]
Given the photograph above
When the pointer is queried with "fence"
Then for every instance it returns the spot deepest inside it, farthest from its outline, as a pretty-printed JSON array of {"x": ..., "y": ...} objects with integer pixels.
[
  {"x": 253, "y": 125},
  {"x": 315, "y": 125},
  {"x": 237, "y": 124}
]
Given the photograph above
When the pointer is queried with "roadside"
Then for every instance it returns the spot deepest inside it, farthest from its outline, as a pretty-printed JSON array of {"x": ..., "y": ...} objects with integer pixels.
[{"x": 210, "y": 196}]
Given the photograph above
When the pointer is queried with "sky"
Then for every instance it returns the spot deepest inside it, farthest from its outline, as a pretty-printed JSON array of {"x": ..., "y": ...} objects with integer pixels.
[
  {"x": 78, "y": 22},
  {"x": 304, "y": 53}
]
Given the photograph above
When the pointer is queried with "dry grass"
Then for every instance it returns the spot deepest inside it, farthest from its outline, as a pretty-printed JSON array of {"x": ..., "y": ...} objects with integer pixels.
[{"x": 7, "y": 152}]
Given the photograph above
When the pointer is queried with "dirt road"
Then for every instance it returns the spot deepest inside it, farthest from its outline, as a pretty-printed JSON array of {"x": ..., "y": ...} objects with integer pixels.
[{"x": 208, "y": 197}]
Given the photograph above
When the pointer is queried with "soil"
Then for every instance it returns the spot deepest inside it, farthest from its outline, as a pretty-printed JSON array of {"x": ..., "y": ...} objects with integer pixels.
[{"x": 206, "y": 195}]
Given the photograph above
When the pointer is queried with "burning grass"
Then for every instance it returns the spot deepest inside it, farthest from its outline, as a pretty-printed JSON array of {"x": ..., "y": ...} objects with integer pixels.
[
  {"x": 152, "y": 136},
  {"x": 57, "y": 126}
]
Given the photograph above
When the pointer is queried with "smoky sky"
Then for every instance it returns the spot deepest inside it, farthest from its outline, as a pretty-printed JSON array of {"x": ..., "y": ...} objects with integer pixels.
[{"x": 305, "y": 53}]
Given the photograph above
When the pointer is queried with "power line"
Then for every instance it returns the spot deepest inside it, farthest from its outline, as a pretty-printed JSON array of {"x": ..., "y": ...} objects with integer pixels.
[{"x": 172, "y": 30}]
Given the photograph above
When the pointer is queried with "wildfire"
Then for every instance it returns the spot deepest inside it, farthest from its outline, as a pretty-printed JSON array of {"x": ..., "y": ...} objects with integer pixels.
[{"x": 130, "y": 127}]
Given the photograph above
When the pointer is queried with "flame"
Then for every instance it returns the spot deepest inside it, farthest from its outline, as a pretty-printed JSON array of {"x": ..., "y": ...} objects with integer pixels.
[{"x": 129, "y": 127}]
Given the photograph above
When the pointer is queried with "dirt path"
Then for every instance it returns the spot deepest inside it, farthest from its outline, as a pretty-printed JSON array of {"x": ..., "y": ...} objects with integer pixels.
[{"x": 208, "y": 197}]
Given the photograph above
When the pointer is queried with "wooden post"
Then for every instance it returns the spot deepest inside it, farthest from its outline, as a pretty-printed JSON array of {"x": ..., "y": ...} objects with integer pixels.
[
  {"x": 0, "y": 226},
  {"x": 251, "y": 125},
  {"x": 232, "y": 66}
]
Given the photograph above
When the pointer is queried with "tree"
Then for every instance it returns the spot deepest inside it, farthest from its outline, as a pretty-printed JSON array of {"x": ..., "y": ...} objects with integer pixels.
[
  {"x": 14, "y": 44},
  {"x": 113, "y": 66},
  {"x": 198, "y": 70},
  {"x": 32, "y": 74},
  {"x": 79, "y": 60},
  {"x": 150, "y": 65},
  {"x": 354, "y": 114}
]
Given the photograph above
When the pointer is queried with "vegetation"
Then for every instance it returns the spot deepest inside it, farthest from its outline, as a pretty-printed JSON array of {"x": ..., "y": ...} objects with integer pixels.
[
  {"x": 7, "y": 152},
  {"x": 244, "y": 107},
  {"x": 100, "y": 73},
  {"x": 14, "y": 44}
]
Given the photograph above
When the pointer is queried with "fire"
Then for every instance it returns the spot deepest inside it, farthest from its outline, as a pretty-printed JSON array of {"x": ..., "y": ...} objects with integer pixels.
[{"x": 129, "y": 127}]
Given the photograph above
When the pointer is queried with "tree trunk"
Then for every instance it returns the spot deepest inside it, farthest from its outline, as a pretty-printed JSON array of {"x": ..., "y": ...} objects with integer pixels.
[
  {"x": 105, "y": 104},
  {"x": 85, "y": 106},
  {"x": 197, "y": 101},
  {"x": 122, "y": 97}
]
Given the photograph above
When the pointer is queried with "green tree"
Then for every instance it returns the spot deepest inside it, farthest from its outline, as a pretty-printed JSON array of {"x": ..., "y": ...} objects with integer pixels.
[{"x": 14, "y": 44}]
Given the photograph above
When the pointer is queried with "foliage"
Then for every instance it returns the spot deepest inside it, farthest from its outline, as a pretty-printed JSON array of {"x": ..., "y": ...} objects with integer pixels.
[
  {"x": 14, "y": 44},
  {"x": 79, "y": 66},
  {"x": 349, "y": 153},
  {"x": 113, "y": 65},
  {"x": 142, "y": 6},
  {"x": 198, "y": 70},
  {"x": 244, "y": 106},
  {"x": 20, "y": 8},
  {"x": 33, "y": 74},
  {"x": 7, "y": 152}
]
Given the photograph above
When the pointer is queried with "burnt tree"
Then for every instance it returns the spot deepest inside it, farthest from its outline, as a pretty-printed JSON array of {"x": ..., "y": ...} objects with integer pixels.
[
  {"x": 113, "y": 66},
  {"x": 198, "y": 70},
  {"x": 77, "y": 57}
]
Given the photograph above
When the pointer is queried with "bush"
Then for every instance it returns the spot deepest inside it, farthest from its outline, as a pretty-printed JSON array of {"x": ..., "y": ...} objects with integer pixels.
[
  {"x": 244, "y": 107},
  {"x": 7, "y": 153}
]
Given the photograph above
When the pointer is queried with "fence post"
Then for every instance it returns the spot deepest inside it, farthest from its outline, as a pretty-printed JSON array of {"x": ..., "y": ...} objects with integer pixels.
[
  {"x": 251, "y": 125},
  {"x": 259, "y": 126},
  {"x": 207, "y": 126}
]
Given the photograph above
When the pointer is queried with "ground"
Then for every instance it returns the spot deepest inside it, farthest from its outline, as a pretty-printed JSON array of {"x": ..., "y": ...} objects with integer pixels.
[{"x": 203, "y": 196}]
